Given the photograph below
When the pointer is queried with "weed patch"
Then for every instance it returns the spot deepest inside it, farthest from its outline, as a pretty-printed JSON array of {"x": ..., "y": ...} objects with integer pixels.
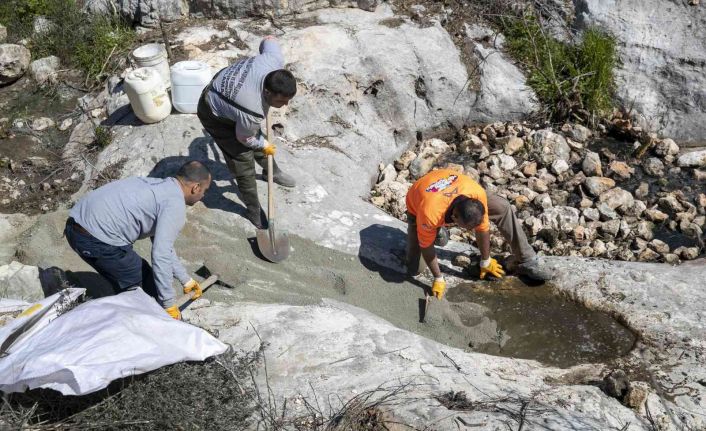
[{"x": 91, "y": 43}]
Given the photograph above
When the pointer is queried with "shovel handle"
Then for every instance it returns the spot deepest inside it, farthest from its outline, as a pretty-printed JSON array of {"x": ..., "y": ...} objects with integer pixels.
[
  {"x": 270, "y": 181},
  {"x": 183, "y": 299}
]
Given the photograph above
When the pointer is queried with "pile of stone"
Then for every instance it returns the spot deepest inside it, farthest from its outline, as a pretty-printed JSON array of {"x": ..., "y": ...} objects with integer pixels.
[{"x": 571, "y": 199}]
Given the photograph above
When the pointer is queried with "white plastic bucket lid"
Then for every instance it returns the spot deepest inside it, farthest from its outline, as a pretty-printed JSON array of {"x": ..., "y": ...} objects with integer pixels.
[
  {"x": 148, "y": 52},
  {"x": 190, "y": 66}
]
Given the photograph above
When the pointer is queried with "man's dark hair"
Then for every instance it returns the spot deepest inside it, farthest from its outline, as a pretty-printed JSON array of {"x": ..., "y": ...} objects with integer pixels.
[
  {"x": 469, "y": 210},
  {"x": 281, "y": 82},
  {"x": 193, "y": 171}
]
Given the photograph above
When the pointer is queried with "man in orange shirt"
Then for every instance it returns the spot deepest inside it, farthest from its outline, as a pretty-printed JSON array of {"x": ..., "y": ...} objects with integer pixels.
[{"x": 444, "y": 197}]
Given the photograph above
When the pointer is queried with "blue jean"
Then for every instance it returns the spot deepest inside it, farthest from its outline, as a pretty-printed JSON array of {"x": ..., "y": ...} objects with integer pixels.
[{"x": 120, "y": 265}]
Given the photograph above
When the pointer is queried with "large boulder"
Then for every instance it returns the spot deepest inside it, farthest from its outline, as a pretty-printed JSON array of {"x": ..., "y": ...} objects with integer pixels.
[
  {"x": 662, "y": 71},
  {"x": 14, "y": 61},
  {"x": 45, "y": 69}
]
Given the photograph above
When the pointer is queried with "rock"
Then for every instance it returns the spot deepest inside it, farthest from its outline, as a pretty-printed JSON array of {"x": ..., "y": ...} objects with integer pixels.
[
  {"x": 671, "y": 258},
  {"x": 530, "y": 169},
  {"x": 637, "y": 394},
  {"x": 495, "y": 172},
  {"x": 65, "y": 124},
  {"x": 461, "y": 260},
  {"x": 471, "y": 144},
  {"x": 513, "y": 145},
  {"x": 507, "y": 163},
  {"x": 701, "y": 200},
  {"x": 694, "y": 159},
  {"x": 404, "y": 160},
  {"x": 543, "y": 201},
  {"x": 14, "y": 61},
  {"x": 666, "y": 147},
  {"x": 521, "y": 201},
  {"x": 636, "y": 209},
  {"x": 591, "y": 165},
  {"x": 585, "y": 203},
  {"x": 699, "y": 175},
  {"x": 428, "y": 155},
  {"x": 648, "y": 255},
  {"x": 454, "y": 167},
  {"x": 393, "y": 194},
  {"x": 591, "y": 214},
  {"x": 670, "y": 203},
  {"x": 687, "y": 253},
  {"x": 606, "y": 212},
  {"x": 387, "y": 174},
  {"x": 653, "y": 167},
  {"x": 598, "y": 185},
  {"x": 599, "y": 248},
  {"x": 580, "y": 133},
  {"x": 642, "y": 191},
  {"x": 37, "y": 162},
  {"x": 655, "y": 215},
  {"x": 537, "y": 185},
  {"x": 576, "y": 180},
  {"x": 611, "y": 228},
  {"x": 559, "y": 166},
  {"x": 18, "y": 281},
  {"x": 617, "y": 198},
  {"x": 45, "y": 69},
  {"x": 42, "y": 123},
  {"x": 560, "y": 218},
  {"x": 692, "y": 230},
  {"x": 620, "y": 169},
  {"x": 3, "y": 33},
  {"x": 659, "y": 246},
  {"x": 548, "y": 146},
  {"x": 671, "y": 95}
]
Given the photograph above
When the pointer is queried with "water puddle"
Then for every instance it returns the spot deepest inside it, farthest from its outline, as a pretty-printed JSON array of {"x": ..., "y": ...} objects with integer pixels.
[{"x": 535, "y": 323}]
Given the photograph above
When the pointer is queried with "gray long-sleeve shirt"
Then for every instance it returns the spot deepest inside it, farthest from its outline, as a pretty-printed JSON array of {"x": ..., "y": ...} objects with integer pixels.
[
  {"x": 121, "y": 212},
  {"x": 243, "y": 83}
]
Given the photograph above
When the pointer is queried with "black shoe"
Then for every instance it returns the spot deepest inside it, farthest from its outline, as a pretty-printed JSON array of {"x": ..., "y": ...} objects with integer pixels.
[
  {"x": 257, "y": 217},
  {"x": 279, "y": 177},
  {"x": 533, "y": 270}
]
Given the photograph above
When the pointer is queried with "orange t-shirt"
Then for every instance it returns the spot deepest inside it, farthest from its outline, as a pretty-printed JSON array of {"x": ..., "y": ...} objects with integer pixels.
[{"x": 430, "y": 197}]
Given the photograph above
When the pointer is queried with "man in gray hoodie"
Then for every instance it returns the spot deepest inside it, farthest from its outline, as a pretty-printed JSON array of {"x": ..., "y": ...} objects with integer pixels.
[
  {"x": 104, "y": 224},
  {"x": 232, "y": 108}
]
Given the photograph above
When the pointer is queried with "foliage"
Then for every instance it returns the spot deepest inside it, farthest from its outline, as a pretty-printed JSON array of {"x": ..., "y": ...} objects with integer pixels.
[
  {"x": 572, "y": 80},
  {"x": 90, "y": 43}
]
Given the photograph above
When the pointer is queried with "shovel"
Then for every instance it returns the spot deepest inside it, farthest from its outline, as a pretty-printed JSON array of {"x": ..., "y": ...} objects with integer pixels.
[
  {"x": 273, "y": 245},
  {"x": 182, "y": 301}
]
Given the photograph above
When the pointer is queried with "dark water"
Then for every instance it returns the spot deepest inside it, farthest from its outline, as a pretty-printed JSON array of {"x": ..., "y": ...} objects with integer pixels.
[{"x": 534, "y": 323}]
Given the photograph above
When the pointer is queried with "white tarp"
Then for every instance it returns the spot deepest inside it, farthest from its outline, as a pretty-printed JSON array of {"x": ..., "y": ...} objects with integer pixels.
[{"x": 83, "y": 350}]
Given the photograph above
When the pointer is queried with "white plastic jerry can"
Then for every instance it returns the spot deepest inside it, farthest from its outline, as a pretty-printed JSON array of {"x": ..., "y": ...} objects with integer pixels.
[
  {"x": 189, "y": 78},
  {"x": 148, "y": 97}
]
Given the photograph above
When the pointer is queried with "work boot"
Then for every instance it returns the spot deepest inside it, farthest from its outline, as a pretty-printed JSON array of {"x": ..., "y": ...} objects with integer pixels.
[
  {"x": 531, "y": 269},
  {"x": 257, "y": 217},
  {"x": 278, "y": 177},
  {"x": 442, "y": 237}
]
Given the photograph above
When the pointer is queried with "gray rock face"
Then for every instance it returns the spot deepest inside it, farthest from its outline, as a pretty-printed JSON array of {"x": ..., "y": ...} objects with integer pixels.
[
  {"x": 20, "y": 282},
  {"x": 663, "y": 61},
  {"x": 45, "y": 69},
  {"x": 3, "y": 33},
  {"x": 14, "y": 61},
  {"x": 148, "y": 12}
]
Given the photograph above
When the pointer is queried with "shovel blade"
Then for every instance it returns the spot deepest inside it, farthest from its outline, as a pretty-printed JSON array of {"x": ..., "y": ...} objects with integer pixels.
[{"x": 274, "y": 246}]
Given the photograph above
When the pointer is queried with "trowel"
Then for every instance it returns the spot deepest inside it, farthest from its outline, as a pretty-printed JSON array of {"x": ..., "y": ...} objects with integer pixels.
[{"x": 273, "y": 245}]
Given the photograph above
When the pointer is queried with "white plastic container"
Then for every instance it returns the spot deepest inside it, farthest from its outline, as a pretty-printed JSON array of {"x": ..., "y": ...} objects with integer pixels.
[
  {"x": 153, "y": 55},
  {"x": 189, "y": 78},
  {"x": 148, "y": 97}
]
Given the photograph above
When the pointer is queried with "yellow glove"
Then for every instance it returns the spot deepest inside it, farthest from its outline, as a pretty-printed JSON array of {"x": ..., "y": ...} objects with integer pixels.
[
  {"x": 195, "y": 286},
  {"x": 174, "y": 312},
  {"x": 492, "y": 267},
  {"x": 438, "y": 288},
  {"x": 269, "y": 150}
]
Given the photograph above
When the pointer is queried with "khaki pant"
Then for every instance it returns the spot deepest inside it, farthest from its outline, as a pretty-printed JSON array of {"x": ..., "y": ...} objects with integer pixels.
[{"x": 499, "y": 212}]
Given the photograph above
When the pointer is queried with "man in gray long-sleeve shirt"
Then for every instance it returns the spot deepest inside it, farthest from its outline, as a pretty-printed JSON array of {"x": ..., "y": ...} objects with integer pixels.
[
  {"x": 231, "y": 110},
  {"x": 104, "y": 224}
]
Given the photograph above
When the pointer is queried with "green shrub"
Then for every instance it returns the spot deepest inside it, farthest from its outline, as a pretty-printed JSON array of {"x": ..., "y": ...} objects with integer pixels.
[
  {"x": 571, "y": 80},
  {"x": 86, "y": 42}
]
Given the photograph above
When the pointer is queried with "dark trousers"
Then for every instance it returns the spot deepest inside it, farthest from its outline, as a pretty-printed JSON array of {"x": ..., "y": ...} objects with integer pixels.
[
  {"x": 239, "y": 158},
  {"x": 499, "y": 212},
  {"x": 121, "y": 266}
]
